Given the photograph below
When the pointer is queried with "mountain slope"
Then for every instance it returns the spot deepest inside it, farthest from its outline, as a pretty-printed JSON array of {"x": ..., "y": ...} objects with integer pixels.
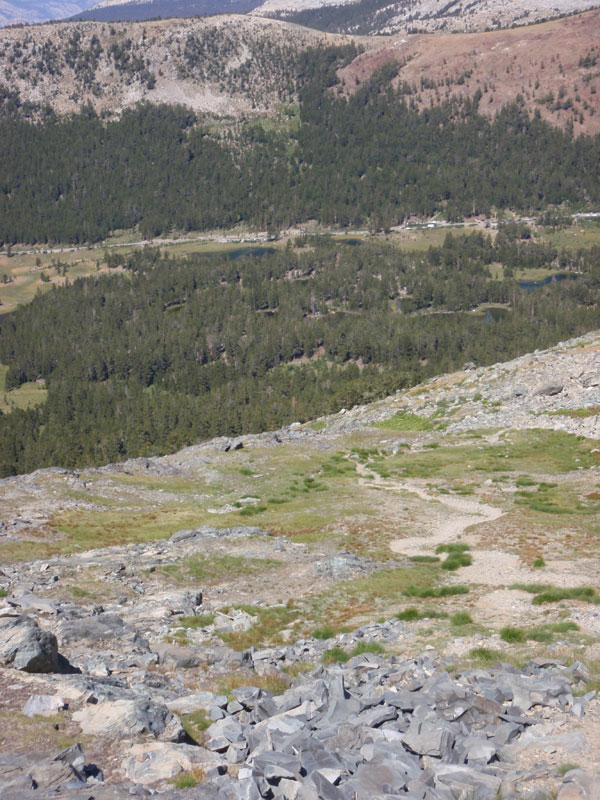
[
  {"x": 152, "y": 9},
  {"x": 228, "y": 65},
  {"x": 238, "y": 65},
  {"x": 16, "y": 12},
  {"x": 383, "y": 16},
  {"x": 551, "y": 68}
]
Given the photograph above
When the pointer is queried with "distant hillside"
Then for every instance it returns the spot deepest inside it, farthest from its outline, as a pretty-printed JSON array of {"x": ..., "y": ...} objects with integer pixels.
[
  {"x": 137, "y": 10},
  {"x": 239, "y": 65},
  {"x": 419, "y": 16},
  {"x": 226, "y": 65},
  {"x": 552, "y": 69},
  {"x": 15, "y": 12}
]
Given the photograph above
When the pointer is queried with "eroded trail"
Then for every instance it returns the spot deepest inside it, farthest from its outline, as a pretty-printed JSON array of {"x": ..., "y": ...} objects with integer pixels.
[
  {"x": 465, "y": 514},
  {"x": 493, "y": 568}
]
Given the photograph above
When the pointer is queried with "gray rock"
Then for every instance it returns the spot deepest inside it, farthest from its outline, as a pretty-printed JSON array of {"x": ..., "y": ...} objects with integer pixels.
[
  {"x": 549, "y": 389},
  {"x": 579, "y": 785},
  {"x": 130, "y": 719},
  {"x": 25, "y": 646},
  {"x": 467, "y": 782},
  {"x": 180, "y": 657},
  {"x": 183, "y": 535},
  {"x": 93, "y": 629},
  {"x": 43, "y": 705},
  {"x": 589, "y": 381},
  {"x": 429, "y": 738}
]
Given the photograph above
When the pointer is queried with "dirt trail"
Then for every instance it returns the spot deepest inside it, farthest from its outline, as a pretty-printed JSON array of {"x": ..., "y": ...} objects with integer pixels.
[
  {"x": 470, "y": 512},
  {"x": 493, "y": 568}
]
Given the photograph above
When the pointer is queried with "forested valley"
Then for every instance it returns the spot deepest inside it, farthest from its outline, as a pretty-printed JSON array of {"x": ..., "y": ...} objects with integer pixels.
[
  {"x": 169, "y": 351},
  {"x": 369, "y": 159},
  {"x": 163, "y": 351}
]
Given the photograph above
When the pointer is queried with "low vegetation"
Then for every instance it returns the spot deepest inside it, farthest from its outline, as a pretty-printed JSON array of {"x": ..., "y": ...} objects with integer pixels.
[{"x": 545, "y": 593}]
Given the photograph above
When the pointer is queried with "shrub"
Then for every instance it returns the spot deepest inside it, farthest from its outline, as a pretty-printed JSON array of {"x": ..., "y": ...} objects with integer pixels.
[
  {"x": 556, "y": 594},
  {"x": 462, "y": 618},
  {"x": 538, "y": 563},
  {"x": 435, "y": 591},
  {"x": 409, "y": 615},
  {"x": 485, "y": 654},
  {"x": 455, "y": 547},
  {"x": 324, "y": 633},
  {"x": 368, "y": 647},
  {"x": 513, "y": 635},
  {"x": 456, "y": 560}
]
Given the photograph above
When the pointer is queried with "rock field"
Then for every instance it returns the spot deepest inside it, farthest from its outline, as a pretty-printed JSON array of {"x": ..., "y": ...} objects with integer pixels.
[{"x": 290, "y": 655}]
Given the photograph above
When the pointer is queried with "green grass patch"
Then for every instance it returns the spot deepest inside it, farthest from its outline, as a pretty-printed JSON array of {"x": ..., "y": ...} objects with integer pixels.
[
  {"x": 335, "y": 655},
  {"x": 549, "y": 498},
  {"x": 530, "y": 588},
  {"x": 523, "y": 480},
  {"x": 435, "y": 591},
  {"x": 538, "y": 563},
  {"x": 458, "y": 556},
  {"x": 457, "y": 560},
  {"x": 186, "y": 780},
  {"x": 252, "y": 511},
  {"x": 513, "y": 635},
  {"x": 324, "y": 633},
  {"x": 404, "y": 421},
  {"x": 409, "y": 615},
  {"x": 452, "y": 548},
  {"x": 195, "y": 724},
  {"x": 425, "y": 559},
  {"x": 271, "y": 621},
  {"x": 556, "y": 594},
  {"x": 368, "y": 647},
  {"x": 461, "y": 618},
  {"x": 216, "y": 568},
  {"x": 193, "y": 623},
  {"x": 25, "y": 396},
  {"x": 545, "y": 593},
  {"x": 575, "y": 413},
  {"x": 485, "y": 654},
  {"x": 542, "y": 633},
  {"x": 3, "y": 593},
  {"x": 531, "y": 451},
  {"x": 414, "y": 614},
  {"x": 562, "y": 769}
]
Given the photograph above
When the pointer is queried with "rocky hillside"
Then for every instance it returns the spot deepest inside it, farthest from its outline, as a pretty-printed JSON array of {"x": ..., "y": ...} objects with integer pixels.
[
  {"x": 240, "y": 65},
  {"x": 401, "y": 598},
  {"x": 385, "y": 17},
  {"x": 225, "y": 65}
]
